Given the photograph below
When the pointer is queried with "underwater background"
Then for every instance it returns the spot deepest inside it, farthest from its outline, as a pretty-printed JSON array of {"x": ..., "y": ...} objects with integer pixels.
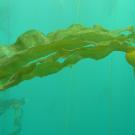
[{"x": 89, "y": 98}]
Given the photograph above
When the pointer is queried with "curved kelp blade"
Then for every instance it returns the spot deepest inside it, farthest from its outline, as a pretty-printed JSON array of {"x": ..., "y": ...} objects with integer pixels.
[{"x": 36, "y": 54}]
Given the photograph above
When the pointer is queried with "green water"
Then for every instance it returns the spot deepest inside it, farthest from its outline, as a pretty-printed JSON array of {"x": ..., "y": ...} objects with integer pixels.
[{"x": 89, "y": 98}]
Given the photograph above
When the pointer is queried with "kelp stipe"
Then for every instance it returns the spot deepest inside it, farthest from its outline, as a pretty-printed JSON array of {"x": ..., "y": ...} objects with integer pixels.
[{"x": 35, "y": 54}]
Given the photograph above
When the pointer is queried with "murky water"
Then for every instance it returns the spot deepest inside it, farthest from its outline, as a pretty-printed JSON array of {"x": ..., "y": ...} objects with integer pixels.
[{"x": 89, "y": 98}]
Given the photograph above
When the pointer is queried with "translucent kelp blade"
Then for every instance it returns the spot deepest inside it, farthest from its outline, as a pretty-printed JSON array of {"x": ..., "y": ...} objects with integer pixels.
[{"x": 36, "y": 54}]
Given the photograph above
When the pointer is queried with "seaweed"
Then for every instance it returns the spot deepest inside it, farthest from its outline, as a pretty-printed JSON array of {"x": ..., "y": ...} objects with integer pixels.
[
  {"x": 36, "y": 54},
  {"x": 15, "y": 105}
]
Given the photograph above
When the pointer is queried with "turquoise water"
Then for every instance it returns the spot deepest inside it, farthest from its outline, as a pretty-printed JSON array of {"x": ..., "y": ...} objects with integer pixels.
[{"x": 89, "y": 98}]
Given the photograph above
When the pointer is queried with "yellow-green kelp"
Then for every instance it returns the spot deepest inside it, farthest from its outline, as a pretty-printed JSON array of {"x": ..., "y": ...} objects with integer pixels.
[{"x": 36, "y": 54}]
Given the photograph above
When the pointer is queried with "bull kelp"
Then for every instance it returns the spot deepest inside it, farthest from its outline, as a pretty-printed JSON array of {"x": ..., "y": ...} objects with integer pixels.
[{"x": 36, "y": 54}]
